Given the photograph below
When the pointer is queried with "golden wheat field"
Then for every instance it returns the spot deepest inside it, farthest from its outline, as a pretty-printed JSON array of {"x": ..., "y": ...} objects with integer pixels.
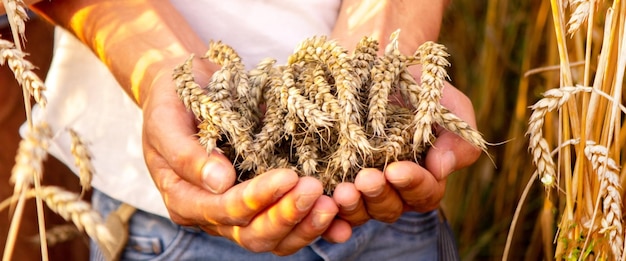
[{"x": 545, "y": 78}]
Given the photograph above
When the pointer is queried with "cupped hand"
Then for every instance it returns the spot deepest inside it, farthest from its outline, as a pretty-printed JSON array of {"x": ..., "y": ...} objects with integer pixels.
[
  {"x": 407, "y": 186},
  {"x": 277, "y": 211}
]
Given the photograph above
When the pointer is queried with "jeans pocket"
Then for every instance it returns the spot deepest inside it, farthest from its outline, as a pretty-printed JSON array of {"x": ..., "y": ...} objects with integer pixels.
[
  {"x": 142, "y": 248},
  {"x": 150, "y": 237},
  {"x": 155, "y": 238},
  {"x": 417, "y": 224},
  {"x": 412, "y": 237}
]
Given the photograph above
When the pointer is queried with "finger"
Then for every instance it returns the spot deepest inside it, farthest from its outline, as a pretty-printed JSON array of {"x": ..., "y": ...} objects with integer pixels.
[
  {"x": 269, "y": 227},
  {"x": 351, "y": 206},
  {"x": 170, "y": 129},
  {"x": 339, "y": 231},
  {"x": 235, "y": 207},
  {"x": 449, "y": 151},
  {"x": 417, "y": 187},
  {"x": 382, "y": 202},
  {"x": 311, "y": 227},
  {"x": 458, "y": 103}
]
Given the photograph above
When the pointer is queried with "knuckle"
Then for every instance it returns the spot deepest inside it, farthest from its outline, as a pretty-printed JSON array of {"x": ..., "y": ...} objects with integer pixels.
[
  {"x": 233, "y": 221},
  {"x": 359, "y": 221},
  {"x": 181, "y": 157},
  {"x": 389, "y": 217},
  {"x": 284, "y": 221},
  {"x": 178, "y": 219},
  {"x": 257, "y": 245}
]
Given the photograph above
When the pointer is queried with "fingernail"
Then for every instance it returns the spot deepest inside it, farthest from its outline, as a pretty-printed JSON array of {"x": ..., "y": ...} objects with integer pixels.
[
  {"x": 448, "y": 162},
  {"x": 288, "y": 182},
  {"x": 305, "y": 202},
  {"x": 322, "y": 220},
  {"x": 349, "y": 207},
  {"x": 213, "y": 176},
  {"x": 373, "y": 192},
  {"x": 282, "y": 190},
  {"x": 403, "y": 181}
]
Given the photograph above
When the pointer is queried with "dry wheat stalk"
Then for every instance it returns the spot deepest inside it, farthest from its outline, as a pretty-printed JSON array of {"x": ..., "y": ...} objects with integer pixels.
[
  {"x": 23, "y": 70},
  {"x": 610, "y": 189},
  {"x": 26, "y": 172},
  {"x": 82, "y": 160}
]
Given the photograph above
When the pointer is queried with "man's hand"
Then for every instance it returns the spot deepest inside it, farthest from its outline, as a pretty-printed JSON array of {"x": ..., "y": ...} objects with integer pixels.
[
  {"x": 407, "y": 186},
  {"x": 276, "y": 211}
]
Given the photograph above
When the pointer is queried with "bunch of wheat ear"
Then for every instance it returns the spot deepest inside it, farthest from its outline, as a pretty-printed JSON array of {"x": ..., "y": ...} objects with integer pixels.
[{"x": 328, "y": 113}]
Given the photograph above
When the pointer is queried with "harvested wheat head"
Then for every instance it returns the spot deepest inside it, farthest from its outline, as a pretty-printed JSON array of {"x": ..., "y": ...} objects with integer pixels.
[{"x": 327, "y": 111}]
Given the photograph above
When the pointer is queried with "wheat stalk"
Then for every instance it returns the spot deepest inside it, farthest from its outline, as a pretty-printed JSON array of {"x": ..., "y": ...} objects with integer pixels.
[{"x": 26, "y": 172}]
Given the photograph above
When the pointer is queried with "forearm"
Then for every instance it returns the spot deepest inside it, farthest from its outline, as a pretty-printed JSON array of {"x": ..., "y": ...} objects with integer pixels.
[
  {"x": 418, "y": 21},
  {"x": 139, "y": 40}
]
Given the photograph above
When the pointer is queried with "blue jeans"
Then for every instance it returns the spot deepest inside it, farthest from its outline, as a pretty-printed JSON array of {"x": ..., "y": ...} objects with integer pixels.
[{"x": 412, "y": 237}]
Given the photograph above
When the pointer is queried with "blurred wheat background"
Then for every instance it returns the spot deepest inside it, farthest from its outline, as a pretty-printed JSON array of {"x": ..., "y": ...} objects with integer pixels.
[{"x": 505, "y": 55}]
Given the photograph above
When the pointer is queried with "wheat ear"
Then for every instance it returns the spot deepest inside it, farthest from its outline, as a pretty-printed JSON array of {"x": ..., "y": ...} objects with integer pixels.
[
  {"x": 610, "y": 189},
  {"x": 455, "y": 124},
  {"x": 538, "y": 146},
  {"x": 579, "y": 16},
  {"x": 30, "y": 156},
  {"x": 82, "y": 160},
  {"x": 69, "y": 206},
  {"x": 433, "y": 60},
  {"x": 23, "y": 71}
]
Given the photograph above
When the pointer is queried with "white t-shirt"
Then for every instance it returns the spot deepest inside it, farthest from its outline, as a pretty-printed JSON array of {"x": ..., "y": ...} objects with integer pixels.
[{"x": 84, "y": 96}]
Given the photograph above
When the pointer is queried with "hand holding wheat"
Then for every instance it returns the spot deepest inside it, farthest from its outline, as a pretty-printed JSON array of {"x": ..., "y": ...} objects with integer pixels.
[{"x": 328, "y": 116}]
